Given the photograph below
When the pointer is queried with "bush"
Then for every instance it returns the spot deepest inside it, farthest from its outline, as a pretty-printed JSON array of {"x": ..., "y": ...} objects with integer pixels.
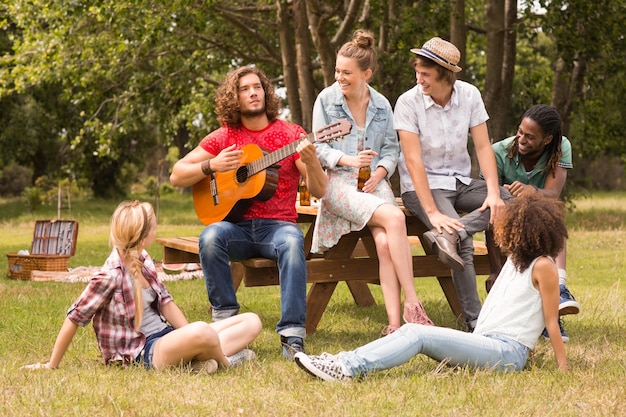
[
  {"x": 14, "y": 179},
  {"x": 605, "y": 172},
  {"x": 34, "y": 197},
  {"x": 166, "y": 188}
]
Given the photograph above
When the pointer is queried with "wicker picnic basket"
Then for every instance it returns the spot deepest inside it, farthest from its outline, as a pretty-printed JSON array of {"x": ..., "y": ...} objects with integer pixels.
[{"x": 54, "y": 243}]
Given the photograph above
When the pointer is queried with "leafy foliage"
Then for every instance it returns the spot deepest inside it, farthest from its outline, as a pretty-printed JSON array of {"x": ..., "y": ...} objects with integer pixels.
[{"x": 96, "y": 90}]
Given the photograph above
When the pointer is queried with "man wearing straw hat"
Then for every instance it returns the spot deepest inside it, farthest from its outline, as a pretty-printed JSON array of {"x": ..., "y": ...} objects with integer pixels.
[{"x": 433, "y": 120}]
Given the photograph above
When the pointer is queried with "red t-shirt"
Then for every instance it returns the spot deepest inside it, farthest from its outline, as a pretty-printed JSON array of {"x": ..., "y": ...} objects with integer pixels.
[{"x": 278, "y": 134}]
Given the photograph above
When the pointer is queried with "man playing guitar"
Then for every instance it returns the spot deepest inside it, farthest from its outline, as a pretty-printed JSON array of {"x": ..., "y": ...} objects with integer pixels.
[{"x": 248, "y": 108}]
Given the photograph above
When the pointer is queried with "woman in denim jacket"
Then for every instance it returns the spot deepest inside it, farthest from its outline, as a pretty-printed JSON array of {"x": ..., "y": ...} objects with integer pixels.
[{"x": 371, "y": 143}]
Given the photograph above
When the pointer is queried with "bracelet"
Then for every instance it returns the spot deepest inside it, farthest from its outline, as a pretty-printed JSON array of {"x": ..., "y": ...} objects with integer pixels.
[{"x": 206, "y": 168}]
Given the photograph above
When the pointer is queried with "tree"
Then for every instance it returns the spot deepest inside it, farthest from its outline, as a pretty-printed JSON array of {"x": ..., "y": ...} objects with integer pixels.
[
  {"x": 458, "y": 32},
  {"x": 94, "y": 88},
  {"x": 141, "y": 73},
  {"x": 501, "y": 53},
  {"x": 582, "y": 32}
]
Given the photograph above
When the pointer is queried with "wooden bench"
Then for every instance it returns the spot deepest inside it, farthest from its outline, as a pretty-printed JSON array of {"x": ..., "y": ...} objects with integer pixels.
[{"x": 353, "y": 260}]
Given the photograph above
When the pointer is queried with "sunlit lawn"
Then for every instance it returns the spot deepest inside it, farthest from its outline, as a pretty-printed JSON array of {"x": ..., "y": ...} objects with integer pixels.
[{"x": 34, "y": 311}]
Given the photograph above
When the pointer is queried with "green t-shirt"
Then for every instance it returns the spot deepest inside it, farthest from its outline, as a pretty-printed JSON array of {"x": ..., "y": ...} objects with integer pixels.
[{"x": 511, "y": 170}]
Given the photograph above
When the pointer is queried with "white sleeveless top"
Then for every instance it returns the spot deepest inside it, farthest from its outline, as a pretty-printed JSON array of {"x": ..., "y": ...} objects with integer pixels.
[{"x": 513, "y": 307}]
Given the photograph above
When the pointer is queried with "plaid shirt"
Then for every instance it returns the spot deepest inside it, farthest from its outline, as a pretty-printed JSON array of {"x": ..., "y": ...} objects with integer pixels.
[{"x": 108, "y": 301}]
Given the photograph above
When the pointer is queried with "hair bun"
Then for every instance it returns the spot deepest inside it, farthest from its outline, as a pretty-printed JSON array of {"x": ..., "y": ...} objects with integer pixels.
[{"x": 363, "y": 39}]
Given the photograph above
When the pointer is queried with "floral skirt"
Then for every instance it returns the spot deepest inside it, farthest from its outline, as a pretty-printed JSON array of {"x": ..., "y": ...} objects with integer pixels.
[{"x": 344, "y": 209}]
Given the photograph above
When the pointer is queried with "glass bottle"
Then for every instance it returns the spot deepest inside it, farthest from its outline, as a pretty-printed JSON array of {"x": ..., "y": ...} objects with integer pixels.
[
  {"x": 305, "y": 195},
  {"x": 364, "y": 175}
]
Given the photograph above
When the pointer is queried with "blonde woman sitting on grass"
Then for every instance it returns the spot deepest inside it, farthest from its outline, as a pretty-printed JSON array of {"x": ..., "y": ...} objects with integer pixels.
[
  {"x": 135, "y": 318},
  {"x": 523, "y": 300}
]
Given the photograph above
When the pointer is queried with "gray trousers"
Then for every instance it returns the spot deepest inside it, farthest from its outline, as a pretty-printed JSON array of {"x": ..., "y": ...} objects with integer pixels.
[{"x": 466, "y": 199}]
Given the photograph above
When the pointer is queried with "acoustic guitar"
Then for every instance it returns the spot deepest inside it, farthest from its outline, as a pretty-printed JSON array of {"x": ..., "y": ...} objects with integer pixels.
[{"x": 227, "y": 195}]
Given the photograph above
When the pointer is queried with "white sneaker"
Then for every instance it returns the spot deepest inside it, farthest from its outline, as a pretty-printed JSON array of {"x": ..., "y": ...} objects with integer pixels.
[
  {"x": 240, "y": 357},
  {"x": 325, "y": 366}
]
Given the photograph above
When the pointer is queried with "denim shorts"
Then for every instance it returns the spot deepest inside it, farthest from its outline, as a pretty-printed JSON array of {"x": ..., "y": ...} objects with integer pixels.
[{"x": 145, "y": 356}]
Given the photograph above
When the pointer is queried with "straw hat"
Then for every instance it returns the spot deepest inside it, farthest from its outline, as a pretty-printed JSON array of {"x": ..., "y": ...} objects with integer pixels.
[{"x": 442, "y": 52}]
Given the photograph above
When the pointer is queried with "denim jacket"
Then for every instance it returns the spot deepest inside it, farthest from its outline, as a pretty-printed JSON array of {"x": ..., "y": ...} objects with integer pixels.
[{"x": 380, "y": 136}]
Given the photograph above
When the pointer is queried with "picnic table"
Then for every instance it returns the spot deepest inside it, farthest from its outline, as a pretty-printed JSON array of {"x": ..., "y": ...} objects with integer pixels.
[{"x": 353, "y": 261}]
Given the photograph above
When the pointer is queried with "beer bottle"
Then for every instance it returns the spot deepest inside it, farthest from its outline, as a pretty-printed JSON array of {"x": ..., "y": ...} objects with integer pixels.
[
  {"x": 364, "y": 175},
  {"x": 305, "y": 195}
]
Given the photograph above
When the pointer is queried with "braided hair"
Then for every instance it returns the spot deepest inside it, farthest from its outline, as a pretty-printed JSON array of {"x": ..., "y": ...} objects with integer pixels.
[
  {"x": 548, "y": 119},
  {"x": 130, "y": 224}
]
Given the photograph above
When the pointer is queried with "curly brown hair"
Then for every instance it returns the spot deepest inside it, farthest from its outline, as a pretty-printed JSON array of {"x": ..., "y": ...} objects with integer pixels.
[
  {"x": 227, "y": 97},
  {"x": 532, "y": 225}
]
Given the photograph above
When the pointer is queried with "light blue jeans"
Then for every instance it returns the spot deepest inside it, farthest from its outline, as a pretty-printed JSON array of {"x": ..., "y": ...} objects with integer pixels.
[
  {"x": 439, "y": 343},
  {"x": 273, "y": 239},
  {"x": 468, "y": 199}
]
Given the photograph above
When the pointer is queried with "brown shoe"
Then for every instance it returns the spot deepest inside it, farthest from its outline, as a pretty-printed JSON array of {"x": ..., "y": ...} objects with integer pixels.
[
  {"x": 204, "y": 367},
  {"x": 415, "y": 313},
  {"x": 445, "y": 244}
]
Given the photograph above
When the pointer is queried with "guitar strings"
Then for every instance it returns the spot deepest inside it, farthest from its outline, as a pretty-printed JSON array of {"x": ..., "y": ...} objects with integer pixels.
[{"x": 254, "y": 167}]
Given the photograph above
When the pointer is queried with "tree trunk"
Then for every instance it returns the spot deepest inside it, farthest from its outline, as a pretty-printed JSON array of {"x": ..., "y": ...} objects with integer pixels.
[
  {"x": 288, "y": 52},
  {"x": 303, "y": 58},
  {"x": 322, "y": 42},
  {"x": 181, "y": 139},
  {"x": 319, "y": 13},
  {"x": 495, "y": 60},
  {"x": 458, "y": 32},
  {"x": 567, "y": 88},
  {"x": 501, "y": 50}
]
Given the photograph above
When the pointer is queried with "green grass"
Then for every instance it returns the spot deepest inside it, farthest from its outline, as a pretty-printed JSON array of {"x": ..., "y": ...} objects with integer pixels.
[{"x": 83, "y": 386}]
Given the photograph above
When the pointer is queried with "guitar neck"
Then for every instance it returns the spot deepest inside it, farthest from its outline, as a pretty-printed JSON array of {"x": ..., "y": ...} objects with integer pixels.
[{"x": 276, "y": 156}]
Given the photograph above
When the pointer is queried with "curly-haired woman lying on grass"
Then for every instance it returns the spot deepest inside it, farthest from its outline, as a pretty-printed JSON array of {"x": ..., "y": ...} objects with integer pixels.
[{"x": 524, "y": 300}]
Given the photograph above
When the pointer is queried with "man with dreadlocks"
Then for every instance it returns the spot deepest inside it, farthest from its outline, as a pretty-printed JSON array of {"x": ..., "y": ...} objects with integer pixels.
[{"x": 537, "y": 158}]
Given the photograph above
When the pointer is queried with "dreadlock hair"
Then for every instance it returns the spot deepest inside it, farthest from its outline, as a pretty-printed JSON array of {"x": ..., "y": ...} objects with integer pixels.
[
  {"x": 227, "y": 97},
  {"x": 130, "y": 224},
  {"x": 548, "y": 119},
  {"x": 532, "y": 225}
]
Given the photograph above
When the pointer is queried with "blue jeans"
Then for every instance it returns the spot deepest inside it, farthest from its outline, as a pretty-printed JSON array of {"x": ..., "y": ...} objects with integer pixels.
[
  {"x": 468, "y": 199},
  {"x": 439, "y": 343},
  {"x": 148, "y": 349},
  {"x": 273, "y": 239}
]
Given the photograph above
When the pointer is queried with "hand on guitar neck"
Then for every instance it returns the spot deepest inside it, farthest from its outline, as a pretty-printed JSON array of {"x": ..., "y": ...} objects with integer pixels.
[{"x": 226, "y": 195}]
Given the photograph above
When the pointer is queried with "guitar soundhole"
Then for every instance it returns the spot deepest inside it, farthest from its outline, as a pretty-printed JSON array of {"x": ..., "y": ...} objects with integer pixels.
[{"x": 242, "y": 174}]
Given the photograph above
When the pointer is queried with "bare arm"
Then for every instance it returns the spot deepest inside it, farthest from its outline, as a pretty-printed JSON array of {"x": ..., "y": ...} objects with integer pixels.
[
  {"x": 188, "y": 170},
  {"x": 412, "y": 151},
  {"x": 63, "y": 341},
  {"x": 554, "y": 184},
  {"x": 546, "y": 279},
  {"x": 311, "y": 169},
  {"x": 552, "y": 188},
  {"x": 489, "y": 169},
  {"x": 174, "y": 315}
]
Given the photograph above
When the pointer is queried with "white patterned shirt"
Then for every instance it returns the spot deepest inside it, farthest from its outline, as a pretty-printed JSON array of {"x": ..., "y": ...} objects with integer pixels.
[{"x": 443, "y": 133}]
